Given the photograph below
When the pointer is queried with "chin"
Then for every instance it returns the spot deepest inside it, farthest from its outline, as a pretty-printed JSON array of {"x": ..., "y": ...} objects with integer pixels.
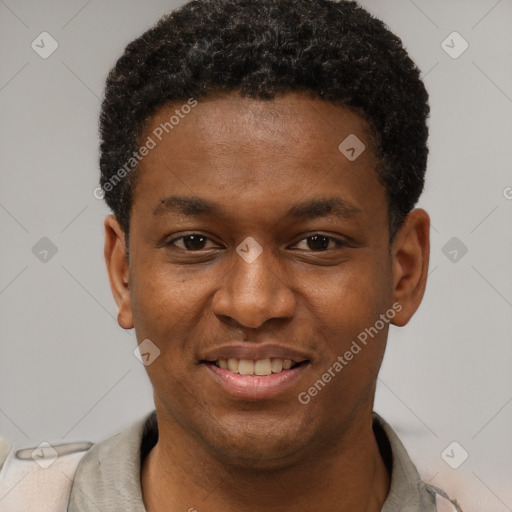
[{"x": 257, "y": 447}]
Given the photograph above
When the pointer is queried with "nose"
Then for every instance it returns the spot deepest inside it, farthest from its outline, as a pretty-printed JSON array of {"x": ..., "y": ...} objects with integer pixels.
[{"x": 252, "y": 293}]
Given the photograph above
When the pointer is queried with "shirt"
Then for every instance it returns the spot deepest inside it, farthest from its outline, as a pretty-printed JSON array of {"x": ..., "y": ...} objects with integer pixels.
[{"x": 108, "y": 476}]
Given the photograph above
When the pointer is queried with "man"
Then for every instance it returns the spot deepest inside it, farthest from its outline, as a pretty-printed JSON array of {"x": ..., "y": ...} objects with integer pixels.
[{"x": 262, "y": 161}]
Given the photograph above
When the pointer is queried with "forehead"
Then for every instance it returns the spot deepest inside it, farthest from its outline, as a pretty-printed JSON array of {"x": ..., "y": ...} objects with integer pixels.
[
  {"x": 233, "y": 146},
  {"x": 285, "y": 122}
]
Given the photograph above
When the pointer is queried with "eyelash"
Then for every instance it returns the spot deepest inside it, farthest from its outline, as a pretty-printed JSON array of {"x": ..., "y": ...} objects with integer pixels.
[{"x": 337, "y": 241}]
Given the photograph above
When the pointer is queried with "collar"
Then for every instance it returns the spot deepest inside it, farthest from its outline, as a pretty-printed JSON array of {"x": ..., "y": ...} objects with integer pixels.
[{"x": 108, "y": 477}]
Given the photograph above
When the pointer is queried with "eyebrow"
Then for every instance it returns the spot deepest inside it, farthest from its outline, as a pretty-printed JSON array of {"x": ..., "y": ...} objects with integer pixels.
[{"x": 310, "y": 209}]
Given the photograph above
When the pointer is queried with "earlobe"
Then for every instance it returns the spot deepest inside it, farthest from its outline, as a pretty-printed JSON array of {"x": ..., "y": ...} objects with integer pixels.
[
  {"x": 410, "y": 259},
  {"x": 118, "y": 271}
]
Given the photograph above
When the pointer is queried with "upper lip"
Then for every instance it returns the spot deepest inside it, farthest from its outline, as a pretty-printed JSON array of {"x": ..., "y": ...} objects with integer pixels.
[{"x": 254, "y": 351}]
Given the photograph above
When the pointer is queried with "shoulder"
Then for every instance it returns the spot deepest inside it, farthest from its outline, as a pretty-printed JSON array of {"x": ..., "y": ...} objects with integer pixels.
[
  {"x": 125, "y": 446},
  {"x": 42, "y": 478},
  {"x": 440, "y": 499},
  {"x": 110, "y": 471},
  {"x": 38, "y": 478},
  {"x": 408, "y": 492}
]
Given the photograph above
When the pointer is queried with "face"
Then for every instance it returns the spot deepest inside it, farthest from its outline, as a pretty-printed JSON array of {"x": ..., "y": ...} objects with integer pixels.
[{"x": 255, "y": 241}]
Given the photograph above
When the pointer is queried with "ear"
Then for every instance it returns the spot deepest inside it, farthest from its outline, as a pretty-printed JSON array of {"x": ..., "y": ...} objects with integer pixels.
[
  {"x": 410, "y": 254},
  {"x": 118, "y": 272}
]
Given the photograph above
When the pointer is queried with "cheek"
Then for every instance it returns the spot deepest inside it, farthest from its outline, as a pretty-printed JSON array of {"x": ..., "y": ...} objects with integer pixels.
[
  {"x": 346, "y": 307},
  {"x": 164, "y": 302},
  {"x": 349, "y": 297}
]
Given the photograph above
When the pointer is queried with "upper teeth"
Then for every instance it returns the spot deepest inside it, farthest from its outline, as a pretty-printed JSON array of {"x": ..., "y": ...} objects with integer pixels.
[{"x": 258, "y": 367}]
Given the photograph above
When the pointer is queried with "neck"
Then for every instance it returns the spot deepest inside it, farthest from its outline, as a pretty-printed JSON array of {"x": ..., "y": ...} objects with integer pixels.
[{"x": 346, "y": 475}]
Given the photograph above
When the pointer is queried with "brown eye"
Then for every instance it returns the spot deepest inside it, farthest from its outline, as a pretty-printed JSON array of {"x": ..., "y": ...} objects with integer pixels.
[
  {"x": 191, "y": 242},
  {"x": 319, "y": 242}
]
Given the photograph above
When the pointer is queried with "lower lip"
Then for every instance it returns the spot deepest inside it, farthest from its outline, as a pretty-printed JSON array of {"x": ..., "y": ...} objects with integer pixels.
[{"x": 249, "y": 387}]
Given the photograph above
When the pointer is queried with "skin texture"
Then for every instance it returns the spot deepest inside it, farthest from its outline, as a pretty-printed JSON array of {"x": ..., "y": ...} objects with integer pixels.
[{"x": 256, "y": 159}]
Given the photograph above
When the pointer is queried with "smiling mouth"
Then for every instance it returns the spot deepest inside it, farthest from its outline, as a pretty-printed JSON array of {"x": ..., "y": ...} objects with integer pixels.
[{"x": 256, "y": 368}]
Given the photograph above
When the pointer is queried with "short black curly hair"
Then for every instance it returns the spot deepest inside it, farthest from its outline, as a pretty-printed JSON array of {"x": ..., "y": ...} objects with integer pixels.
[{"x": 333, "y": 50}]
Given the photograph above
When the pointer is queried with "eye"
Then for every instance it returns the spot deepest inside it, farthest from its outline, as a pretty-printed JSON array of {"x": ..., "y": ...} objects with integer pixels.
[
  {"x": 316, "y": 242},
  {"x": 192, "y": 242},
  {"x": 319, "y": 242}
]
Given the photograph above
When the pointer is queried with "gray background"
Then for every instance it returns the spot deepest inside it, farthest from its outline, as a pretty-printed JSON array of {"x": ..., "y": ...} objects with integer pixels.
[{"x": 67, "y": 370}]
